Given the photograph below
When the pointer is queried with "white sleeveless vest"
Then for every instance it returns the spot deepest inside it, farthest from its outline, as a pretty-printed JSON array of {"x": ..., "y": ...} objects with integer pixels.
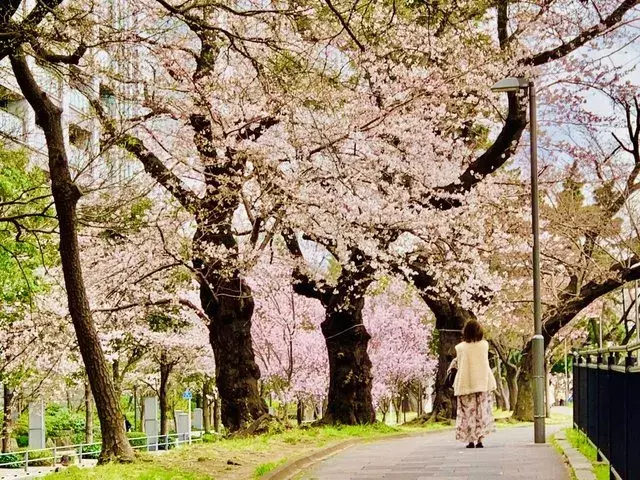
[{"x": 474, "y": 373}]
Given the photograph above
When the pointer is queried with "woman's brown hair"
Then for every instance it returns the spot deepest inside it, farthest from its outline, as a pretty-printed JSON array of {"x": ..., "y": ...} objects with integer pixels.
[{"x": 472, "y": 332}]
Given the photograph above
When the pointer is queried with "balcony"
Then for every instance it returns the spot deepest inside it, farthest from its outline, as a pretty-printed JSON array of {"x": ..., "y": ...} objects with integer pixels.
[
  {"x": 11, "y": 126},
  {"x": 79, "y": 104}
]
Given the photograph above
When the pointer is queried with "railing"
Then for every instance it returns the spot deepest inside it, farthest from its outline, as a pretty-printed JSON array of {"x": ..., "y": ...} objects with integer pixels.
[
  {"x": 53, "y": 456},
  {"x": 606, "y": 405}
]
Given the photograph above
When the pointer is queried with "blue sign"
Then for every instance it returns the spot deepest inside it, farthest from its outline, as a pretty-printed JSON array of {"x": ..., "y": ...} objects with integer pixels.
[{"x": 187, "y": 395}]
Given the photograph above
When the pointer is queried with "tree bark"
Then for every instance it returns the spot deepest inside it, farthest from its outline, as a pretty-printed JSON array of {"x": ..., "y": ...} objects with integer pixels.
[
  {"x": 237, "y": 373},
  {"x": 88, "y": 414},
  {"x": 115, "y": 445},
  {"x": 512, "y": 383},
  {"x": 7, "y": 418},
  {"x": 350, "y": 379},
  {"x": 523, "y": 409},
  {"x": 165, "y": 371},
  {"x": 300, "y": 412},
  {"x": 450, "y": 319},
  {"x": 216, "y": 414},
  {"x": 397, "y": 406},
  {"x": 444, "y": 403},
  {"x": 206, "y": 405},
  {"x": 349, "y": 400}
]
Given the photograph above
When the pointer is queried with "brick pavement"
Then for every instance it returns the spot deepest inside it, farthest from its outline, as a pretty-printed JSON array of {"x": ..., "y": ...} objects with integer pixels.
[{"x": 509, "y": 453}]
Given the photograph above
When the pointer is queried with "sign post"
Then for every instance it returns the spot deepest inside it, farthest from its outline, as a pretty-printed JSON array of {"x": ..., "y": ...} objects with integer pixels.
[{"x": 187, "y": 395}]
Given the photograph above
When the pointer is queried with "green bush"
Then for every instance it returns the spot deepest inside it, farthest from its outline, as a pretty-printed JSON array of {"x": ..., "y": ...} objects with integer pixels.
[
  {"x": 8, "y": 458},
  {"x": 23, "y": 441},
  {"x": 60, "y": 422},
  {"x": 210, "y": 437},
  {"x": 137, "y": 439},
  {"x": 90, "y": 451}
]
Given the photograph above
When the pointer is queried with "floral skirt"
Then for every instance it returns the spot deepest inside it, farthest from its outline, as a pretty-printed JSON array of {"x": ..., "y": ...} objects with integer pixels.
[{"x": 474, "y": 417}]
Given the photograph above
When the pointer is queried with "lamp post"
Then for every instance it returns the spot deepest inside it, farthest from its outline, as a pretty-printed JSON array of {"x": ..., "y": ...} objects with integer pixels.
[{"x": 514, "y": 84}]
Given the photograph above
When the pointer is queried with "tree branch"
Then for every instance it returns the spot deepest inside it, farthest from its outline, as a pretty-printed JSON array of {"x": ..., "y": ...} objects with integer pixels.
[
  {"x": 496, "y": 155},
  {"x": 587, "y": 35},
  {"x": 150, "y": 162},
  {"x": 71, "y": 59}
]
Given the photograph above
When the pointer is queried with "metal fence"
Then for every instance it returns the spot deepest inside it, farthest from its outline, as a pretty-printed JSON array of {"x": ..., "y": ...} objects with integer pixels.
[
  {"x": 606, "y": 406},
  {"x": 54, "y": 456}
]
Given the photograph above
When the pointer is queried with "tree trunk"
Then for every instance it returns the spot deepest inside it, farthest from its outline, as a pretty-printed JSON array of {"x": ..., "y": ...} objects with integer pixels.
[
  {"x": 135, "y": 408},
  {"x": 115, "y": 445},
  {"x": 502, "y": 398},
  {"x": 117, "y": 379},
  {"x": 88, "y": 414},
  {"x": 7, "y": 418},
  {"x": 142, "y": 415},
  {"x": 444, "y": 403},
  {"x": 350, "y": 378},
  {"x": 397, "y": 406},
  {"x": 206, "y": 405},
  {"x": 547, "y": 401},
  {"x": 300, "y": 412},
  {"x": 216, "y": 414},
  {"x": 450, "y": 319},
  {"x": 237, "y": 373},
  {"x": 165, "y": 371},
  {"x": 513, "y": 373},
  {"x": 523, "y": 409}
]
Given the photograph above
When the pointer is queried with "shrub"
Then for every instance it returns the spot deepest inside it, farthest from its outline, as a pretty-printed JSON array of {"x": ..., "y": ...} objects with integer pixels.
[
  {"x": 61, "y": 422},
  {"x": 137, "y": 439},
  {"x": 22, "y": 440},
  {"x": 210, "y": 437},
  {"x": 90, "y": 451},
  {"x": 8, "y": 458}
]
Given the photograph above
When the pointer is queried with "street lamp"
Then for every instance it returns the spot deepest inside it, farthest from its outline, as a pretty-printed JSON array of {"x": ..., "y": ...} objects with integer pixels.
[{"x": 515, "y": 84}]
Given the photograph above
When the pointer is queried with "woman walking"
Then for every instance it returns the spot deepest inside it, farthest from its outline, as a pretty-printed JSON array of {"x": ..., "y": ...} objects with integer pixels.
[{"x": 472, "y": 387}]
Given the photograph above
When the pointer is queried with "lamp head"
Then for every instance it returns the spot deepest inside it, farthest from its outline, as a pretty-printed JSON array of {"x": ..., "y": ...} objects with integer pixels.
[{"x": 510, "y": 84}]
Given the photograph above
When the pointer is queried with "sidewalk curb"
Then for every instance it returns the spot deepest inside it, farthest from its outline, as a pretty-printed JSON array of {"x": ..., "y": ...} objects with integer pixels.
[
  {"x": 289, "y": 470},
  {"x": 581, "y": 465}
]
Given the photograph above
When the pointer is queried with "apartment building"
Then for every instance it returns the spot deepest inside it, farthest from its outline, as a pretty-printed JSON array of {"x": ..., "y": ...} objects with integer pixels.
[{"x": 82, "y": 130}]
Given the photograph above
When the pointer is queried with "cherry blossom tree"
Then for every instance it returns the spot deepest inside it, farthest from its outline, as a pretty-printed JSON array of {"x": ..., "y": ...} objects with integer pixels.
[
  {"x": 287, "y": 338},
  {"x": 400, "y": 344}
]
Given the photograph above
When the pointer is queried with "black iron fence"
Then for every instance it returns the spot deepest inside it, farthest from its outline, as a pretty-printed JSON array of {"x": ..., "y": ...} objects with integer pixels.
[{"x": 606, "y": 405}]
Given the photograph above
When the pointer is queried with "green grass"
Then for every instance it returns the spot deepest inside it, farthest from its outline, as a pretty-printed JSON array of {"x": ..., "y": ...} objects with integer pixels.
[
  {"x": 579, "y": 441},
  {"x": 265, "y": 468},
  {"x": 136, "y": 471}
]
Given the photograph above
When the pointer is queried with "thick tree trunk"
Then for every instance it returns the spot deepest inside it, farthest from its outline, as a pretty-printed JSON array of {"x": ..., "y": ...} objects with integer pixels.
[
  {"x": 115, "y": 445},
  {"x": 88, "y": 414},
  {"x": 7, "y": 418},
  {"x": 450, "y": 319},
  {"x": 165, "y": 371},
  {"x": 237, "y": 374},
  {"x": 350, "y": 378},
  {"x": 444, "y": 403},
  {"x": 523, "y": 409}
]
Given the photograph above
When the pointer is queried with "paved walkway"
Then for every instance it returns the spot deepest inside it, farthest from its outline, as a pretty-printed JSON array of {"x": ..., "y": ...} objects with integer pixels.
[{"x": 509, "y": 453}]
